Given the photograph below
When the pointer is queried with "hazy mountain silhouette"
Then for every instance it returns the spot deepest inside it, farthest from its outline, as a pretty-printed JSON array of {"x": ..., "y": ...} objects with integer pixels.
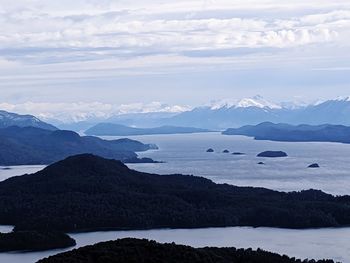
[
  {"x": 111, "y": 129},
  {"x": 8, "y": 119},
  {"x": 300, "y": 133},
  {"x": 226, "y": 114},
  {"x": 29, "y": 145}
]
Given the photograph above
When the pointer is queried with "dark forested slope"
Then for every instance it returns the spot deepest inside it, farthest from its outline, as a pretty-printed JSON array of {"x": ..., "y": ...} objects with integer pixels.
[
  {"x": 87, "y": 192},
  {"x": 135, "y": 251}
]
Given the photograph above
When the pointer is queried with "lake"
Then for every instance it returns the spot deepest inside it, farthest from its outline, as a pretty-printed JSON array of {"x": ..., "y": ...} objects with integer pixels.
[
  {"x": 11, "y": 171},
  {"x": 312, "y": 243},
  {"x": 187, "y": 154}
]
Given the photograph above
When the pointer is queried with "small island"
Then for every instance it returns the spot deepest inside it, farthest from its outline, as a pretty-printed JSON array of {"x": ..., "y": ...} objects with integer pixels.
[
  {"x": 210, "y": 150},
  {"x": 272, "y": 154},
  {"x": 314, "y": 165},
  {"x": 140, "y": 160},
  {"x": 142, "y": 250},
  {"x": 261, "y": 163},
  {"x": 238, "y": 153},
  {"x": 226, "y": 151}
]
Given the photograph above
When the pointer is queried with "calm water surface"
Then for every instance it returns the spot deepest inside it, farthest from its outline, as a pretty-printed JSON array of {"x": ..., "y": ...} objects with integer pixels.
[
  {"x": 187, "y": 154},
  {"x": 315, "y": 243},
  {"x": 11, "y": 171}
]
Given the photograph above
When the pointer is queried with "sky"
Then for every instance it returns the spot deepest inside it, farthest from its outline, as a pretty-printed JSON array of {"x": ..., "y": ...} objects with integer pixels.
[{"x": 110, "y": 56}]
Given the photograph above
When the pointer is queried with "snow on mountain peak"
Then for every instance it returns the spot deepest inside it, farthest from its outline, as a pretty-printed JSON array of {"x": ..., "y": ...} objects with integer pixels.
[
  {"x": 343, "y": 98},
  {"x": 256, "y": 101},
  {"x": 338, "y": 99},
  {"x": 223, "y": 104}
]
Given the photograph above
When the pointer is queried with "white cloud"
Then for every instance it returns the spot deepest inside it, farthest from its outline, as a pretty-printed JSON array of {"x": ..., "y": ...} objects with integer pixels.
[
  {"x": 93, "y": 28},
  {"x": 50, "y": 46},
  {"x": 161, "y": 35}
]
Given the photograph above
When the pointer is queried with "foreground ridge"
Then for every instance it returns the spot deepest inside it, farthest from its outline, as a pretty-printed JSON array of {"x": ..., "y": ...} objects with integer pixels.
[{"x": 136, "y": 250}]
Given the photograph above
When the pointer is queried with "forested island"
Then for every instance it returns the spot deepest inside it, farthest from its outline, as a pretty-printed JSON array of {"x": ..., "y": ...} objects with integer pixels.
[
  {"x": 272, "y": 154},
  {"x": 137, "y": 250},
  {"x": 86, "y": 193},
  {"x": 290, "y": 133},
  {"x": 34, "y": 241},
  {"x": 32, "y": 146}
]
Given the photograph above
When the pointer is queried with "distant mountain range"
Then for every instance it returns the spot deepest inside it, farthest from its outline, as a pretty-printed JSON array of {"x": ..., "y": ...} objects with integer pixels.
[
  {"x": 111, "y": 129},
  {"x": 256, "y": 110},
  {"x": 142, "y": 120},
  {"x": 8, "y": 119},
  {"x": 218, "y": 116},
  {"x": 30, "y": 145},
  {"x": 225, "y": 114},
  {"x": 300, "y": 133}
]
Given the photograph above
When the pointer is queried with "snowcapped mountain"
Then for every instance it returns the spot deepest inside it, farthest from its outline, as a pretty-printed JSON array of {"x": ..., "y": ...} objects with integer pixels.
[
  {"x": 252, "y": 111},
  {"x": 8, "y": 119},
  {"x": 228, "y": 113},
  {"x": 256, "y": 101},
  {"x": 218, "y": 115}
]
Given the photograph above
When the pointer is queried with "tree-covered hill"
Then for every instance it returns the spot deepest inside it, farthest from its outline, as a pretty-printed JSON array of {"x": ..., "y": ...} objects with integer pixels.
[
  {"x": 87, "y": 192},
  {"x": 136, "y": 251}
]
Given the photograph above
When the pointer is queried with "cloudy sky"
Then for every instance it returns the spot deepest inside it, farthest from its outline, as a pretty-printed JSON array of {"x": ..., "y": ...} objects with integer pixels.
[{"x": 108, "y": 55}]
